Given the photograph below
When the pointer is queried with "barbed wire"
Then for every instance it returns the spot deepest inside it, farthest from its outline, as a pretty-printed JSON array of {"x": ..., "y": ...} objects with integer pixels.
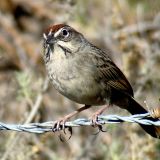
[{"x": 102, "y": 119}]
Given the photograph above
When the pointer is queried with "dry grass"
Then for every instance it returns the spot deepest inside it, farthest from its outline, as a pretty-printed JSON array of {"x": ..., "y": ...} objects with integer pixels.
[{"x": 22, "y": 75}]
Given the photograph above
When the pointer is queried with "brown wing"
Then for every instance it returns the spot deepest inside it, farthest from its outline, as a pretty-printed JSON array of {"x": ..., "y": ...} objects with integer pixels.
[{"x": 112, "y": 76}]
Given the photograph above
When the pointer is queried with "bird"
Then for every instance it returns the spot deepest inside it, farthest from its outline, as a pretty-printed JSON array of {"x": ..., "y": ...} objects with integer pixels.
[{"x": 87, "y": 75}]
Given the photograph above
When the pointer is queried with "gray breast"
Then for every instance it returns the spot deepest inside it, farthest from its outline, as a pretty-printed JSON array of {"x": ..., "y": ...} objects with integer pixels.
[{"x": 76, "y": 83}]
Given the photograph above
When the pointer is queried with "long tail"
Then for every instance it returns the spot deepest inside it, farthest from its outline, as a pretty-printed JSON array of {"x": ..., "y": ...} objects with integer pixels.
[{"x": 135, "y": 108}]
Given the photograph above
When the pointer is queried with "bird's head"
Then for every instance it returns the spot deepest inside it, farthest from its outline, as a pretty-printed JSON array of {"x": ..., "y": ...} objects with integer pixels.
[{"x": 62, "y": 37}]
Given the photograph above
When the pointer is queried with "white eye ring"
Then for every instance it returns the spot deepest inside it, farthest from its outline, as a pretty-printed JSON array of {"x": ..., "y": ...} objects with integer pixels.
[{"x": 65, "y": 33}]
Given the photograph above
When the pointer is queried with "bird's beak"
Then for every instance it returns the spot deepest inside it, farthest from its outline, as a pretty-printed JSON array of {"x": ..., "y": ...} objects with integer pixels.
[{"x": 49, "y": 39}]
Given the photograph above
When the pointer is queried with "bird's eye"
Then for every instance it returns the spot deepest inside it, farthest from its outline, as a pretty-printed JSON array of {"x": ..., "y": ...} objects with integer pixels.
[{"x": 65, "y": 33}]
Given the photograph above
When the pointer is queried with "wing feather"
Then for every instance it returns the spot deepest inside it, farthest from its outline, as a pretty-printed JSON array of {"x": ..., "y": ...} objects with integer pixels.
[{"x": 111, "y": 75}]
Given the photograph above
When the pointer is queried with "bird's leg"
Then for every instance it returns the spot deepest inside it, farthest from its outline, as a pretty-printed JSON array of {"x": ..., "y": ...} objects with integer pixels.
[
  {"x": 60, "y": 124},
  {"x": 95, "y": 117}
]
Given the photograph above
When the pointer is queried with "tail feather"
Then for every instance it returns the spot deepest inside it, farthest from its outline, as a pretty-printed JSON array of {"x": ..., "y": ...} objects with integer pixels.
[{"x": 135, "y": 108}]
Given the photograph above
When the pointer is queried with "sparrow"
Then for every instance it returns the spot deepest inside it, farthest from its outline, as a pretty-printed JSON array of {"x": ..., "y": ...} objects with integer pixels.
[{"x": 87, "y": 75}]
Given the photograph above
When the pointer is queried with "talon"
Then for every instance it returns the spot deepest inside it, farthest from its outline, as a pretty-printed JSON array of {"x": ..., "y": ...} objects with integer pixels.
[
  {"x": 100, "y": 127},
  {"x": 59, "y": 125},
  {"x": 54, "y": 127},
  {"x": 70, "y": 131},
  {"x": 95, "y": 122}
]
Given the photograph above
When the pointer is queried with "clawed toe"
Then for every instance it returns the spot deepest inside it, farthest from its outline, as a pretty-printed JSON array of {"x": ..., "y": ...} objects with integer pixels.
[
  {"x": 95, "y": 123},
  {"x": 59, "y": 125}
]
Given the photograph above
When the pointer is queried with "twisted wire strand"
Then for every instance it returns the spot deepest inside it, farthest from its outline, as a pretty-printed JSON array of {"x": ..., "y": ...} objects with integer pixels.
[{"x": 102, "y": 119}]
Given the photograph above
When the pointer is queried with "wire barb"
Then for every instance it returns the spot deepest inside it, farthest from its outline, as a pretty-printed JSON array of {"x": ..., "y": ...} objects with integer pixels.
[{"x": 102, "y": 119}]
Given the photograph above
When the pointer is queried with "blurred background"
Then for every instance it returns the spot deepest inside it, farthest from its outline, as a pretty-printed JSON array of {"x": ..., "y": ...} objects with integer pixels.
[{"x": 131, "y": 28}]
